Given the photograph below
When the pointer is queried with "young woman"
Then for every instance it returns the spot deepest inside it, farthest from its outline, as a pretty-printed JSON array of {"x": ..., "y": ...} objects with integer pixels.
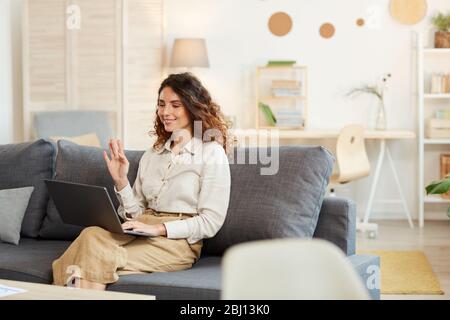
[{"x": 180, "y": 195}]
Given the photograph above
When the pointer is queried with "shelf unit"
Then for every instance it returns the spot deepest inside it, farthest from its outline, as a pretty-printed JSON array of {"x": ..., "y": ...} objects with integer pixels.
[
  {"x": 435, "y": 199},
  {"x": 299, "y": 102},
  {"x": 426, "y": 103}
]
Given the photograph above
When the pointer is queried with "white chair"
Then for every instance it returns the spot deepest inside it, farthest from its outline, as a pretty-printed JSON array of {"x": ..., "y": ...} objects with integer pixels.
[
  {"x": 351, "y": 156},
  {"x": 289, "y": 269}
]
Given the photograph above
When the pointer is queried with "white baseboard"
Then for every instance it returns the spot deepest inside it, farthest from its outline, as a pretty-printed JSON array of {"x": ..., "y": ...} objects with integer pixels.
[{"x": 399, "y": 215}]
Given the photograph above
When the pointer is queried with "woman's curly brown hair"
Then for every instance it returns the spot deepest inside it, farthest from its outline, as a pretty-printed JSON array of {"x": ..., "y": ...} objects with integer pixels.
[{"x": 197, "y": 100}]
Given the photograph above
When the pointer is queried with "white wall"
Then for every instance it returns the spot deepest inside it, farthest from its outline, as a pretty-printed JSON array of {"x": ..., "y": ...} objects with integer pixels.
[
  {"x": 238, "y": 40},
  {"x": 5, "y": 75},
  {"x": 11, "y": 71}
]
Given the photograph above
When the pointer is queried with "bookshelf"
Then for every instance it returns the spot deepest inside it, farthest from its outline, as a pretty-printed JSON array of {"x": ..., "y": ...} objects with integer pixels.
[
  {"x": 432, "y": 143},
  {"x": 281, "y": 94}
]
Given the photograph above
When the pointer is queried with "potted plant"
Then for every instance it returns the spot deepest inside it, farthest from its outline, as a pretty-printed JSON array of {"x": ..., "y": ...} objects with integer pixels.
[
  {"x": 439, "y": 187},
  {"x": 442, "y": 36}
]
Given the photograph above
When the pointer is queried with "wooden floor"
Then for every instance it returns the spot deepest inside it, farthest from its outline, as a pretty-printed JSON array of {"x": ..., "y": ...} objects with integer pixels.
[{"x": 433, "y": 240}]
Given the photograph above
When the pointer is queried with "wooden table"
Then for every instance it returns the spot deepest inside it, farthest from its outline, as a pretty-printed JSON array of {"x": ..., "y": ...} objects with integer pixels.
[
  {"x": 37, "y": 291},
  {"x": 268, "y": 136}
]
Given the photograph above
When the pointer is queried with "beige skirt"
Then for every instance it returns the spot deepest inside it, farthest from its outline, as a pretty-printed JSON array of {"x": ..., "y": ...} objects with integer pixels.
[{"x": 100, "y": 256}]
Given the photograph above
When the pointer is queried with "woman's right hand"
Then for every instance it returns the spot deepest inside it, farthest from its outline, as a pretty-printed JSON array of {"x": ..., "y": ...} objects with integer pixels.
[{"x": 118, "y": 165}]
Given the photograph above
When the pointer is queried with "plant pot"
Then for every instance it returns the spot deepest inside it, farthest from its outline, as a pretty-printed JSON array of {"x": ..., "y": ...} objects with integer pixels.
[{"x": 442, "y": 39}]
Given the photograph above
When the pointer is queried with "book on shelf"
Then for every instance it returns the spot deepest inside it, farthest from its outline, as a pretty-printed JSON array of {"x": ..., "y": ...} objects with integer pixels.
[
  {"x": 438, "y": 128},
  {"x": 286, "y": 93},
  {"x": 268, "y": 114},
  {"x": 286, "y": 84},
  {"x": 445, "y": 169},
  {"x": 297, "y": 123},
  {"x": 281, "y": 63},
  {"x": 288, "y": 112},
  {"x": 289, "y": 118}
]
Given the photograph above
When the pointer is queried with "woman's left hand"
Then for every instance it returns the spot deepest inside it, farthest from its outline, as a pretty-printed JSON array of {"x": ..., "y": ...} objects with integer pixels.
[{"x": 153, "y": 229}]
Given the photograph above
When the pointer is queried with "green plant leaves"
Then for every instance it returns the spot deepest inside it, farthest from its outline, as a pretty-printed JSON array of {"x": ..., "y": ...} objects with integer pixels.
[
  {"x": 438, "y": 187},
  {"x": 441, "y": 21}
]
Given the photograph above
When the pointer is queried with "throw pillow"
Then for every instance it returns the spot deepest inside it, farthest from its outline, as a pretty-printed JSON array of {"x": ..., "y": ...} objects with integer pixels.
[
  {"x": 13, "y": 204},
  {"x": 81, "y": 164},
  {"x": 89, "y": 139},
  {"x": 283, "y": 205},
  {"x": 28, "y": 164}
]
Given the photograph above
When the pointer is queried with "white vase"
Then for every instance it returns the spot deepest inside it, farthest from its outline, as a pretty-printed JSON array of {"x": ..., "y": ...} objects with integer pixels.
[{"x": 380, "y": 123}]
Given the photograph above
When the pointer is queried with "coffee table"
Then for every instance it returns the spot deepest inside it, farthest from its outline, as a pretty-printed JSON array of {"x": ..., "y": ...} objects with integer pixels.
[{"x": 37, "y": 291}]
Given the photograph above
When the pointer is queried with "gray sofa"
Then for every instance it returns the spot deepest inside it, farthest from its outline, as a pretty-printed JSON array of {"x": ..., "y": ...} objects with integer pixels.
[{"x": 291, "y": 203}]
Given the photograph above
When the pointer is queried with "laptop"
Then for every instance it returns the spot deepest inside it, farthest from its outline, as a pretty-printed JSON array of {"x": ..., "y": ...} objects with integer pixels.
[{"x": 86, "y": 205}]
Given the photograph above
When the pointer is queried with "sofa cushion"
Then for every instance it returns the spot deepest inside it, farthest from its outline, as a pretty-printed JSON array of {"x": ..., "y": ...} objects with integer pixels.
[
  {"x": 13, "y": 204},
  {"x": 285, "y": 204},
  {"x": 28, "y": 164},
  {"x": 31, "y": 260},
  {"x": 81, "y": 164},
  {"x": 201, "y": 282}
]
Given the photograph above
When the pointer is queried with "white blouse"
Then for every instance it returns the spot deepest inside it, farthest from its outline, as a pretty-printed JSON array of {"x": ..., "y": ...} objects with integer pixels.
[{"x": 196, "y": 181}]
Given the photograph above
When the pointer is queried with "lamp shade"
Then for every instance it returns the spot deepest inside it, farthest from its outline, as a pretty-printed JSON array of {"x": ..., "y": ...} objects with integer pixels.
[{"x": 189, "y": 53}]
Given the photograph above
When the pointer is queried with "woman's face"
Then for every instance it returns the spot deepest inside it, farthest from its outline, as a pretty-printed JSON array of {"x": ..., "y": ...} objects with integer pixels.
[{"x": 172, "y": 113}]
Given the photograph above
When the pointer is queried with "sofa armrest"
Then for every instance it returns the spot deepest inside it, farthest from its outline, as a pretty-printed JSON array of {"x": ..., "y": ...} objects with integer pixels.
[{"x": 337, "y": 223}]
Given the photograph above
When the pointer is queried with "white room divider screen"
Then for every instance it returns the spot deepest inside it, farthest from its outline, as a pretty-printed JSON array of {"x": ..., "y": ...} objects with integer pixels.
[{"x": 94, "y": 55}]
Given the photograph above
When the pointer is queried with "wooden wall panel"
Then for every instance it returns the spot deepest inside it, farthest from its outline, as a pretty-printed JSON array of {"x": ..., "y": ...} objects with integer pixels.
[
  {"x": 143, "y": 68},
  {"x": 45, "y": 50},
  {"x": 95, "y": 51},
  {"x": 113, "y": 62}
]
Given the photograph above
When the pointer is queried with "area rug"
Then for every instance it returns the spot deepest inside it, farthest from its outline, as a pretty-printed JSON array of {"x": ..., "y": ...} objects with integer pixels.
[{"x": 406, "y": 272}]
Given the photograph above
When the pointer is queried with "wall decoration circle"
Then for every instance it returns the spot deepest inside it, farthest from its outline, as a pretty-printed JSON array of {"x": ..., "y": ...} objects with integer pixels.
[
  {"x": 408, "y": 11},
  {"x": 327, "y": 30},
  {"x": 360, "y": 22},
  {"x": 280, "y": 23}
]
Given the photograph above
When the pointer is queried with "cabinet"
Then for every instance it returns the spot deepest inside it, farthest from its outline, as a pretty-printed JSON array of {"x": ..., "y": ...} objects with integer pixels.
[
  {"x": 281, "y": 91},
  {"x": 94, "y": 55},
  {"x": 431, "y": 106}
]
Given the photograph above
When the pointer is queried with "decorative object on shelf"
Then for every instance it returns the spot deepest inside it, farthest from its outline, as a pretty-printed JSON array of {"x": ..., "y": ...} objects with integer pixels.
[
  {"x": 281, "y": 63},
  {"x": 443, "y": 114},
  {"x": 189, "y": 53},
  {"x": 280, "y": 24},
  {"x": 408, "y": 11},
  {"x": 327, "y": 30},
  {"x": 438, "y": 128},
  {"x": 441, "y": 22},
  {"x": 360, "y": 22},
  {"x": 445, "y": 170},
  {"x": 440, "y": 83},
  {"x": 377, "y": 90},
  {"x": 270, "y": 117},
  {"x": 439, "y": 187}
]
